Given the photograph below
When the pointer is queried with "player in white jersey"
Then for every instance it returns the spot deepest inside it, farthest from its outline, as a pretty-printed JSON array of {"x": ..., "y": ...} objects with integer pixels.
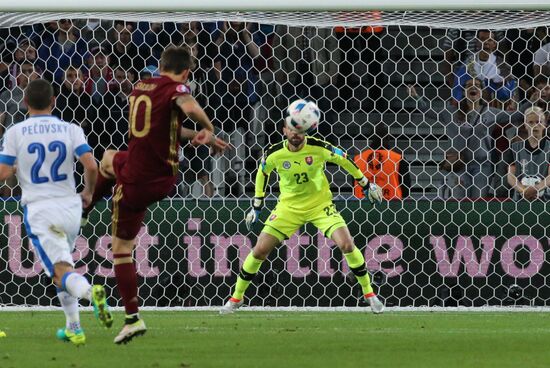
[{"x": 42, "y": 150}]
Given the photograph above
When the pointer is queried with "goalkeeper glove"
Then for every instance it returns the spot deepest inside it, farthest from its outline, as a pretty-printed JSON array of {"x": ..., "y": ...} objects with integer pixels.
[
  {"x": 254, "y": 213},
  {"x": 371, "y": 190}
]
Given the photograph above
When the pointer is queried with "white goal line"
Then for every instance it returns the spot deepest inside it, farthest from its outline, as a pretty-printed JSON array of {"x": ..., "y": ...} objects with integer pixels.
[{"x": 485, "y": 309}]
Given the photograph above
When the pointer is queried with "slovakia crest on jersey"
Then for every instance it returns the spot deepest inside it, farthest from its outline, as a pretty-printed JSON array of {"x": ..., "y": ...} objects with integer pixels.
[
  {"x": 309, "y": 160},
  {"x": 182, "y": 88}
]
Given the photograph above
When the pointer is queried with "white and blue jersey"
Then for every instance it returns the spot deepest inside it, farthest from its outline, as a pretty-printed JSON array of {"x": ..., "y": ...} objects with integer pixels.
[{"x": 44, "y": 149}]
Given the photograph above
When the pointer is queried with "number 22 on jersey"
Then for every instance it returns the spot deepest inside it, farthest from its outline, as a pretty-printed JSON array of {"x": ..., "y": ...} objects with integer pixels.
[{"x": 40, "y": 150}]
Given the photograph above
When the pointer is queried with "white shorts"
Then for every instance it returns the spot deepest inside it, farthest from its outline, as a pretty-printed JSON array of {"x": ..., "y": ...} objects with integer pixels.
[{"x": 52, "y": 226}]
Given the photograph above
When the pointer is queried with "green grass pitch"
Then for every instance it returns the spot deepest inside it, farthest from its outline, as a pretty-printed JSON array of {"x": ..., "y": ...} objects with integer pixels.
[{"x": 286, "y": 339}]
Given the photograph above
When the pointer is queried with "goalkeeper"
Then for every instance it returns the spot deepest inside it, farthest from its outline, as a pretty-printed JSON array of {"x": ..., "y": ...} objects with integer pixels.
[{"x": 305, "y": 197}]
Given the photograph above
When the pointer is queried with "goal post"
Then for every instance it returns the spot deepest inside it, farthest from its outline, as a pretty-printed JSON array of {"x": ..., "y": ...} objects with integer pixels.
[{"x": 386, "y": 75}]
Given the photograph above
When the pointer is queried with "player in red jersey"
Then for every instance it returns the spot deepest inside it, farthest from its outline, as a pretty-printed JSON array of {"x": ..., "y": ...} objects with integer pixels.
[{"x": 146, "y": 172}]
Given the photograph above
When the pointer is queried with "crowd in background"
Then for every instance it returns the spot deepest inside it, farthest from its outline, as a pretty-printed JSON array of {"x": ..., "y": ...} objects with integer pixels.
[{"x": 245, "y": 74}]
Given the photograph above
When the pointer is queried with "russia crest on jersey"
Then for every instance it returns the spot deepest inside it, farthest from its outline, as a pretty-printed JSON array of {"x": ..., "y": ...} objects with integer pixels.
[
  {"x": 309, "y": 160},
  {"x": 182, "y": 88}
]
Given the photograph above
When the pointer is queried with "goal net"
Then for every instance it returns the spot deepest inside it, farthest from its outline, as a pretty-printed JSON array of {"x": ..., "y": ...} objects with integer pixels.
[{"x": 429, "y": 104}]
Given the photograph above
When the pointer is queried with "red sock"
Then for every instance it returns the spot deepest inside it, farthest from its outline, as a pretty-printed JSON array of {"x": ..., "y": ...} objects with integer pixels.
[
  {"x": 103, "y": 188},
  {"x": 126, "y": 279}
]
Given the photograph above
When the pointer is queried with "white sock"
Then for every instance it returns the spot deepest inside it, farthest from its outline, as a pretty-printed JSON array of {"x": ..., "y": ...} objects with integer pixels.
[
  {"x": 70, "y": 307},
  {"x": 77, "y": 285}
]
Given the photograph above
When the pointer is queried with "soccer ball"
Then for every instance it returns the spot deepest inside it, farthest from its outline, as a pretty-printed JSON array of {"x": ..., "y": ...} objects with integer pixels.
[{"x": 302, "y": 116}]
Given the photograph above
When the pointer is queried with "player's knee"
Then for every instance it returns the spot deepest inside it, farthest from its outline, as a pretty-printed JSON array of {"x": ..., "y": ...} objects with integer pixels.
[
  {"x": 266, "y": 243},
  {"x": 60, "y": 269},
  {"x": 261, "y": 251},
  {"x": 346, "y": 246},
  {"x": 106, "y": 165},
  {"x": 260, "y": 254},
  {"x": 122, "y": 246},
  {"x": 57, "y": 281}
]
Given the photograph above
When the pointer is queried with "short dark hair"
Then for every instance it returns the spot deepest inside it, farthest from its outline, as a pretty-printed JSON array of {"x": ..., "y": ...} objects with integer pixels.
[
  {"x": 38, "y": 94},
  {"x": 542, "y": 79},
  {"x": 176, "y": 60}
]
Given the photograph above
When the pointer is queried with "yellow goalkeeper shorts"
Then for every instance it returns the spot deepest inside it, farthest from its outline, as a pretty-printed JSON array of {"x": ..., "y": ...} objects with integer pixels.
[{"x": 283, "y": 221}]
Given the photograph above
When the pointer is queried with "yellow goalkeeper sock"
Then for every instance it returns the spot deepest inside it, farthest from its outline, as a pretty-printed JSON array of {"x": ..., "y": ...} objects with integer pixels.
[
  {"x": 250, "y": 268},
  {"x": 356, "y": 263}
]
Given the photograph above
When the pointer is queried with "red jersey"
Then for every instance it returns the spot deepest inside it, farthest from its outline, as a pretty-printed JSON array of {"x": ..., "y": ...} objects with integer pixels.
[{"x": 153, "y": 130}]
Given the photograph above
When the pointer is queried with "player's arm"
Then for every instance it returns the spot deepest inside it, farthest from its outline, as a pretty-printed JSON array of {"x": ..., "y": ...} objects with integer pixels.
[
  {"x": 203, "y": 137},
  {"x": 262, "y": 179},
  {"x": 8, "y": 155},
  {"x": 2, "y": 122},
  {"x": 544, "y": 183},
  {"x": 6, "y": 170},
  {"x": 337, "y": 156},
  {"x": 90, "y": 177},
  {"x": 83, "y": 152},
  {"x": 511, "y": 178},
  {"x": 194, "y": 111},
  {"x": 513, "y": 181}
]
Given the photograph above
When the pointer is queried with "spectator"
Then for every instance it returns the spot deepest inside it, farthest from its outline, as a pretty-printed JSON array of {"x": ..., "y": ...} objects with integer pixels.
[
  {"x": 306, "y": 61},
  {"x": 24, "y": 53},
  {"x": 112, "y": 122},
  {"x": 470, "y": 131},
  {"x": 62, "y": 49},
  {"x": 519, "y": 48},
  {"x": 359, "y": 59},
  {"x": 4, "y": 72},
  {"x": 7, "y": 44},
  {"x": 13, "y": 110},
  {"x": 186, "y": 32},
  {"x": 132, "y": 76},
  {"x": 198, "y": 168},
  {"x": 453, "y": 169},
  {"x": 459, "y": 45},
  {"x": 201, "y": 86},
  {"x": 529, "y": 159},
  {"x": 155, "y": 40},
  {"x": 93, "y": 29},
  {"x": 149, "y": 71},
  {"x": 385, "y": 167},
  {"x": 74, "y": 105},
  {"x": 542, "y": 56},
  {"x": 539, "y": 95},
  {"x": 196, "y": 34},
  {"x": 99, "y": 75},
  {"x": 124, "y": 52},
  {"x": 266, "y": 113},
  {"x": 233, "y": 98},
  {"x": 12, "y": 107},
  {"x": 490, "y": 68},
  {"x": 236, "y": 54}
]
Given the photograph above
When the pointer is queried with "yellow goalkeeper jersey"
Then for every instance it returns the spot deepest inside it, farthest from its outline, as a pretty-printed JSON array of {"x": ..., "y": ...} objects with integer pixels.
[{"x": 302, "y": 180}]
